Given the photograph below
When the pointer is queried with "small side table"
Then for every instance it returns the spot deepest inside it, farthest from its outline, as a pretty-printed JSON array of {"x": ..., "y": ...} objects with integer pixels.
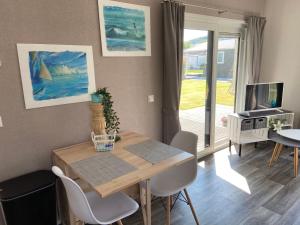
[{"x": 290, "y": 138}]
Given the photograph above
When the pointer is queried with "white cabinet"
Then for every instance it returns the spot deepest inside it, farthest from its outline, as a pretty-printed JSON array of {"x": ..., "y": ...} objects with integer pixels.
[{"x": 242, "y": 130}]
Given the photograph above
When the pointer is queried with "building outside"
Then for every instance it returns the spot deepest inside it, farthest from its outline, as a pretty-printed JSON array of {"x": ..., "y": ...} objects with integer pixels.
[{"x": 195, "y": 59}]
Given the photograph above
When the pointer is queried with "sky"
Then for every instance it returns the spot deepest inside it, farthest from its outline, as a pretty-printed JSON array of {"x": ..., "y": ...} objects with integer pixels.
[{"x": 192, "y": 34}]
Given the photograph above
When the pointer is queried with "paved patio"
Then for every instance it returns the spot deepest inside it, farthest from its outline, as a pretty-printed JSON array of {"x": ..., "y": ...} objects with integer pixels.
[{"x": 193, "y": 120}]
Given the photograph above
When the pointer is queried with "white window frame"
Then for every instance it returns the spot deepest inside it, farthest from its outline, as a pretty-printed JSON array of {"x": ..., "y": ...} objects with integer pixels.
[
  {"x": 220, "y": 25},
  {"x": 222, "y": 57}
]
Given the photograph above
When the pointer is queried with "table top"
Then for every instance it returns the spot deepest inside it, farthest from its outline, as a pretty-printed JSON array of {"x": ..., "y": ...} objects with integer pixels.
[
  {"x": 143, "y": 169},
  {"x": 293, "y": 134}
]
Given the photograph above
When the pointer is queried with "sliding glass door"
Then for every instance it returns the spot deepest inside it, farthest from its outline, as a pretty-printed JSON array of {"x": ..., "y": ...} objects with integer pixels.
[
  {"x": 210, "y": 72},
  {"x": 195, "y": 104},
  {"x": 226, "y": 80}
]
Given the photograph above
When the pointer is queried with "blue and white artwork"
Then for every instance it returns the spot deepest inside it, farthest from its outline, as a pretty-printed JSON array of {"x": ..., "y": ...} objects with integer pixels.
[
  {"x": 125, "y": 29},
  {"x": 56, "y": 74}
]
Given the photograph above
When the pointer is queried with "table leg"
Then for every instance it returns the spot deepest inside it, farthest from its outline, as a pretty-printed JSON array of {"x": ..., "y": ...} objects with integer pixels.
[
  {"x": 240, "y": 150},
  {"x": 278, "y": 152},
  {"x": 148, "y": 201},
  {"x": 143, "y": 202},
  {"x": 168, "y": 211},
  {"x": 296, "y": 162},
  {"x": 274, "y": 154}
]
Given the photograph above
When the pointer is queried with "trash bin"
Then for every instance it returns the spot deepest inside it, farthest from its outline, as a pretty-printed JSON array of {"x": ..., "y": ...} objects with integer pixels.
[{"x": 29, "y": 199}]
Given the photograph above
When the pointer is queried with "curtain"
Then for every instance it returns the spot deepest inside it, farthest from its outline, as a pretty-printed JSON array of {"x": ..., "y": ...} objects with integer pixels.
[
  {"x": 254, "y": 41},
  {"x": 173, "y": 31}
]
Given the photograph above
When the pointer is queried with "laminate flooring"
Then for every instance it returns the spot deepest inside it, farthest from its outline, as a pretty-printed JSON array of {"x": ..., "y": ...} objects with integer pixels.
[{"x": 230, "y": 190}]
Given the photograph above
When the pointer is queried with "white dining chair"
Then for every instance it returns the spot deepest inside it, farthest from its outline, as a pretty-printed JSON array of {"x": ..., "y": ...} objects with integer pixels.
[
  {"x": 91, "y": 208},
  {"x": 176, "y": 180}
]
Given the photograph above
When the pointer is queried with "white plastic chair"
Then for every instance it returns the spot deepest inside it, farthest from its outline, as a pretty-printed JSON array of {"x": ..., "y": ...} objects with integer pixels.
[
  {"x": 177, "y": 179},
  {"x": 91, "y": 208}
]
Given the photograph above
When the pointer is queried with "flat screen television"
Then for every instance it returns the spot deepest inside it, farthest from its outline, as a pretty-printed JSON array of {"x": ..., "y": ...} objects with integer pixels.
[{"x": 263, "y": 96}]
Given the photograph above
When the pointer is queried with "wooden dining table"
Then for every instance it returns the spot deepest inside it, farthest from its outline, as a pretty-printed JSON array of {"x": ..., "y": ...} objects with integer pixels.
[{"x": 135, "y": 182}]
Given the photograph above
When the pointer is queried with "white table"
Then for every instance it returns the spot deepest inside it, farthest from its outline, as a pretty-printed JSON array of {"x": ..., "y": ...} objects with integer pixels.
[
  {"x": 293, "y": 134},
  {"x": 289, "y": 137}
]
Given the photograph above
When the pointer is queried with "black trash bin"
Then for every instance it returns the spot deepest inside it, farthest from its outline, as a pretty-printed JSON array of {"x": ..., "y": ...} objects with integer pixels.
[{"x": 29, "y": 199}]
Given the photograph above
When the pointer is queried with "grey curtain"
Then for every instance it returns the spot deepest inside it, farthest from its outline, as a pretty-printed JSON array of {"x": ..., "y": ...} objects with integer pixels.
[
  {"x": 255, "y": 34},
  {"x": 173, "y": 30}
]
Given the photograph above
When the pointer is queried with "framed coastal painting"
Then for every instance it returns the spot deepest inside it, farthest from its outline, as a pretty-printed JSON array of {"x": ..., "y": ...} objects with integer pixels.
[
  {"x": 56, "y": 74},
  {"x": 125, "y": 29}
]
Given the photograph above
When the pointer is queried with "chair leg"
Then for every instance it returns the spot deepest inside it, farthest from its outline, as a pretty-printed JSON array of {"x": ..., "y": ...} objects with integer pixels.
[
  {"x": 296, "y": 162},
  {"x": 168, "y": 211},
  {"x": 191, "y": 206},
  {"x": 274, "y": 154},
  {"x": 119, "y": 222},
  {"x": 278, "y": 152}
]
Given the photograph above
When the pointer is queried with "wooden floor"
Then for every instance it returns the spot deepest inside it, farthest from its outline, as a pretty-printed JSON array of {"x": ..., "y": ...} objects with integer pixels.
[{"x": 230, "y": 190}]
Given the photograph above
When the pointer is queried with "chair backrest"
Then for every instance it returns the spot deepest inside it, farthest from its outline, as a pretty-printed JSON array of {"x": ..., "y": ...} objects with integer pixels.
[
  {"x": 187, "y": 141},
  {"x": 76, "y": 198},
  {"x": 177, "y": 178}
]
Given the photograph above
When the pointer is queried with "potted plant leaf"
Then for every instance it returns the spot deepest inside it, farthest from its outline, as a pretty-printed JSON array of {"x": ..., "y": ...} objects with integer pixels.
[{"x": 111, "y": 118}]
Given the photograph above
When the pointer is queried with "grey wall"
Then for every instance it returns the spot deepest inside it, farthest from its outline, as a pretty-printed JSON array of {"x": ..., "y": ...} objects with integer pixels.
[
  {"x": 281, "y": 51},
  {"x": 29, "y": 136}
]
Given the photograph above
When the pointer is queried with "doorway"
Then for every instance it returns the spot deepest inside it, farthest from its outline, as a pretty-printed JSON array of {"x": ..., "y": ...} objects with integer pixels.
[
  {"x": 211, "y": 60},
  {"x": 195, "y": 103}
]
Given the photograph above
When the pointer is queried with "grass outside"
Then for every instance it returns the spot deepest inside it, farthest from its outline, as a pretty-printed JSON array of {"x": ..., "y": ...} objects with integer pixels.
[
  {"x": 193, "y": 72},
  {"x": 193, "y": 93}
]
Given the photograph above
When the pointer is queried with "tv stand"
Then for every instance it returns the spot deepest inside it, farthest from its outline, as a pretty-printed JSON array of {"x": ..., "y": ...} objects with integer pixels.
[
  {"x": 261, "y": 113},
  {"x": 255, "y": 127}
]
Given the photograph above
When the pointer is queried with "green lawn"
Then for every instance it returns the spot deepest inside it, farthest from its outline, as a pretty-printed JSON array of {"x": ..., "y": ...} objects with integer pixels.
[
  {"x": 193, "y": 72},
  {"x": 193, "y": 94}
]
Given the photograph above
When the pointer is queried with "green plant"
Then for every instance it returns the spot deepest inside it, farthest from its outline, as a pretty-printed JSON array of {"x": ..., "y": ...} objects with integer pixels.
[
  {"x": 276, "y": 124},
  {"x": 111, "y": 118}
]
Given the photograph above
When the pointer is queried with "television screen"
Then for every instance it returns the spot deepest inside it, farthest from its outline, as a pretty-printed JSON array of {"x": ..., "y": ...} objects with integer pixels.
[{"x": 263, "y": 96}]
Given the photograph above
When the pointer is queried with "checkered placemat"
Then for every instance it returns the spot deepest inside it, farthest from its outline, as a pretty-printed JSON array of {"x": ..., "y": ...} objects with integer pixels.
[
  {"x": 102, "y": 168},
  {"x": 153, "y": 151}
]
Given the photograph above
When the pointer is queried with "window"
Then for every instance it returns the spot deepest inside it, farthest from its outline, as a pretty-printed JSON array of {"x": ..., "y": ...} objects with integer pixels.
[
  {"x": 202, "y": 60},
  {"x": 221, "y": 56}
]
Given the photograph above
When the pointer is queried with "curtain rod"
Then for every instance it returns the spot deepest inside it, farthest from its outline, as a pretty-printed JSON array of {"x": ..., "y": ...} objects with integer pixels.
[{"x": 219, "y": 11}]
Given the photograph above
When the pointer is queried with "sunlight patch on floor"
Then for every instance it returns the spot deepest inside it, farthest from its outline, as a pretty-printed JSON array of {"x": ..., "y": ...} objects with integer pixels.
[
  {"x": 202, "y": 164},
  {"x": 224, "y": 170}
]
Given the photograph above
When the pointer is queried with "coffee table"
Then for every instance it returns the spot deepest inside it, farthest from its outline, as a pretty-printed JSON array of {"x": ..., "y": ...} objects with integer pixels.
[{"x": 290, "y": 138}]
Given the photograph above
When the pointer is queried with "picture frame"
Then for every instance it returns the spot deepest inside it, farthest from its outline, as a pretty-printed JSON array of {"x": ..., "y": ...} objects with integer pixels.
[
  {"x": 125, "y": 29},
  {"x": 56, "y": 74}
]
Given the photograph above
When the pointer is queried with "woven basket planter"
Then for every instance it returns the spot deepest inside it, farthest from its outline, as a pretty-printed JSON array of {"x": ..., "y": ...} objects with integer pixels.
[{"x": 98, "y": 120}]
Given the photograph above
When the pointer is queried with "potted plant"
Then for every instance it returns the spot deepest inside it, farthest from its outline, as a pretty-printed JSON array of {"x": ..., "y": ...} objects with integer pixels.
[
  {"x": 96, "y": 98},
  {"x": 111, "y": 118},
  {"x": 224, "y": 121},
  {"x": 276, "y": 124}
]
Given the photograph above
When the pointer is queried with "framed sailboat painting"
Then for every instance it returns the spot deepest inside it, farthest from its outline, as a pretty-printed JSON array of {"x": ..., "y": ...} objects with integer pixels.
[
  {"x": 125, "y": 29},
  {"x": 56, "y": 74}
]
